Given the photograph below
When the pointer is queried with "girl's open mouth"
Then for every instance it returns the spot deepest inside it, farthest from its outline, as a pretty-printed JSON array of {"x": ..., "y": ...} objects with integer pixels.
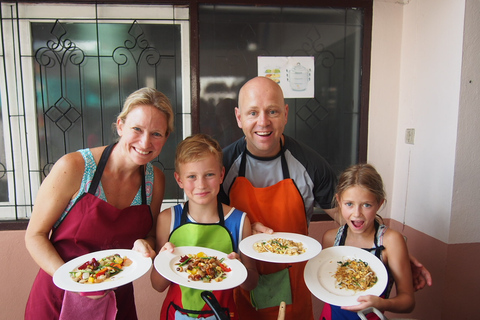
[{"x": 357, "y": 223}]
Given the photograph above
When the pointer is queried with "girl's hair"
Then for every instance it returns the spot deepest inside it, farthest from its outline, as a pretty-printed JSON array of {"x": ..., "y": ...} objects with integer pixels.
[
  {"x": 197, "y": 147},
  {"x": 149, "y": 97},
  {"x": 363, "y": 175}
]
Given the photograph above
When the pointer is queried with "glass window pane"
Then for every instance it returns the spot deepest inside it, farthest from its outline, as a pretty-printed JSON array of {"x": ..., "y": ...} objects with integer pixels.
[
  {"x": 232, "y": 37},
  {"x": 3, "y": 161},
  {"x": 66, "y": 71},
  {"x": 84, "y": 72}
]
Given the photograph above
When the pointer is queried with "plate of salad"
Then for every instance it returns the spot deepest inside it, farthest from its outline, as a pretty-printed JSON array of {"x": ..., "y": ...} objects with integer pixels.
[
  {"x": 101, "y": 270},
  {"x": 200, "y": 268}
]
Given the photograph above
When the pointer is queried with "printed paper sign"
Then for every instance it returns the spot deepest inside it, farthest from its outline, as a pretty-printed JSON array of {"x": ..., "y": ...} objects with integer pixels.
[{"x": 295, "y": 75}]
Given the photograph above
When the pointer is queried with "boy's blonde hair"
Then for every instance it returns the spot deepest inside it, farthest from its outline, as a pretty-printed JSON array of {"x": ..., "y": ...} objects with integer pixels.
[{"x": 197, "y": 147}]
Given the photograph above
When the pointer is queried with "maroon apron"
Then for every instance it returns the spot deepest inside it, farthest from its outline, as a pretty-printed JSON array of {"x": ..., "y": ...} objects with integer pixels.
[
  {"x": 281, "y": 208},
  {"x": 92, "y": 225}
]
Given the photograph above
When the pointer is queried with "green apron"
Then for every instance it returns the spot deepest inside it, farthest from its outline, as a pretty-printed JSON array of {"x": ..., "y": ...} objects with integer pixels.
[{"x": 213, "y": 236}]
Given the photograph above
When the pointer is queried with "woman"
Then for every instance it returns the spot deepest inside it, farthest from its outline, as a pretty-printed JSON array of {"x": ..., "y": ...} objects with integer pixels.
[{"x": 109, "y": 204}]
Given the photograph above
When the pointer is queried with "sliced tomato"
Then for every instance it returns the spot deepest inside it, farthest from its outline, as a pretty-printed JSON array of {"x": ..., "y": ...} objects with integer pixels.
[
  {"x": 225, "y": 268},
  {"x": 101, "y": 272}
]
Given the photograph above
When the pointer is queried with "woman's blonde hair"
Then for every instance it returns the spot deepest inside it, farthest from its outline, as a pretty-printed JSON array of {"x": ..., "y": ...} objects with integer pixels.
[
  {"x": 149, "y": 97},
  {"x": 197, "y": 147}
]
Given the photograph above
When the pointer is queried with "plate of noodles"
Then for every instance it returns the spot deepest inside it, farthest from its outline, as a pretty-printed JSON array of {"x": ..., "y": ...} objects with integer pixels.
[
  {"x": 280, "y": 247},
  {"x": 339, "y": 275}
]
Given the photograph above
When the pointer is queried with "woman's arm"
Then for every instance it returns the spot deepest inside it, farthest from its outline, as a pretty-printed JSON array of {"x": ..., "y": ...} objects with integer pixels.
[
  {"x": 59, "y": 187},
  {"x": 159, "y": 283}
]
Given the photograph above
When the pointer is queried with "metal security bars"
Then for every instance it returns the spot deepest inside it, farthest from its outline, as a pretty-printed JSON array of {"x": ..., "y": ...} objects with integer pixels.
[{"x": 67, "y": 68}]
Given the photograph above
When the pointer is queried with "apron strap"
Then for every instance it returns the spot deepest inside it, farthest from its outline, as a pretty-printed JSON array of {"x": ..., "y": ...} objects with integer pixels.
[
  {"x": 143, "y": 187},
  {"x": 243, "y": 162},
  {"x": 99, "y": 172},
  {"x": 377, "y": 248},
  {"x": 241, "y": 169},
  {"x": 100, "y": 167},
  {"x": 286, "y": 173},
  {"x": 344, "y": 236},
  {"x": 221, "y": 217}
]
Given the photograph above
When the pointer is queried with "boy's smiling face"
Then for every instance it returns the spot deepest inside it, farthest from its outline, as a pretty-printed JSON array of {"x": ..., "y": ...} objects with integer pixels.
[{"x": 201, "y": 179}]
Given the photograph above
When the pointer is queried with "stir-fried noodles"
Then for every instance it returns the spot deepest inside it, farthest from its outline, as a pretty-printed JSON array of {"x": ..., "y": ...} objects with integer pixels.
[
  {"x": 280, "y": 246},
  {"x": 354, "y": 275}
]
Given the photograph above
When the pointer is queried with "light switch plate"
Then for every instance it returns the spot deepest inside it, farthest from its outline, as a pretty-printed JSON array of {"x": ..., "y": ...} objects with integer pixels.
[{"x": 410, "y": 136}]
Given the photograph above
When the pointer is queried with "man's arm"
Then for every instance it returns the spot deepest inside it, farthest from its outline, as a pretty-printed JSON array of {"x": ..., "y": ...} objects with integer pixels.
[
  {"x": 333, "y": 214},
  {"x": 421, "y": 276}
]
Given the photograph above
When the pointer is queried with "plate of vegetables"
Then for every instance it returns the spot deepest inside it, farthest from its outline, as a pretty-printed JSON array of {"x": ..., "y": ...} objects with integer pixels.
[
  {"x": 101, "y": 270},
  {"x": 200, "y": 268}
]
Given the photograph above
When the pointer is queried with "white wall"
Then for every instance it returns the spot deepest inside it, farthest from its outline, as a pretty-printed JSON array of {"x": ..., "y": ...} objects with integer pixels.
[
  {"x": 417, "y": 44},
  {"x": 465, "y": 224},
  {"x": 384, "y": 91}
]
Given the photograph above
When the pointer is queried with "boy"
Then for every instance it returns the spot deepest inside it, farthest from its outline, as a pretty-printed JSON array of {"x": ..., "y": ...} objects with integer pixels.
[{"x": 200, "y": 221}]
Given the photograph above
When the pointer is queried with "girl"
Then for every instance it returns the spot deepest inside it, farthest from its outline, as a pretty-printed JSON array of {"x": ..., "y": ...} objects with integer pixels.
[{"x": 358, "y": 197}]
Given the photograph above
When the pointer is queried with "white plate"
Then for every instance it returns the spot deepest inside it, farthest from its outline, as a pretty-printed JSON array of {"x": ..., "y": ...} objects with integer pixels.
[
  {"x": 138, "y": 268},
  {"x": 312, "y": 246},
  {"x": 165, "y": 265},
  {"x": 319, "y": 273}
]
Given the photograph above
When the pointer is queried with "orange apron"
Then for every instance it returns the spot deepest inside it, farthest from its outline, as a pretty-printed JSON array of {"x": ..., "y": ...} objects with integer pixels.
[{"x": 281, "y": 208}]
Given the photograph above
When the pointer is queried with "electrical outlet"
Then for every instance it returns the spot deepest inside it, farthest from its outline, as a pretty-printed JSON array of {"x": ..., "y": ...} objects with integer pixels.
[{"x": 410, "y": 135}]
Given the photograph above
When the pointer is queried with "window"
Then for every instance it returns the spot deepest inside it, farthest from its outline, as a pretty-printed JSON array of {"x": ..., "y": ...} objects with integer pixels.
[
  {"x": 232, "y": 37},
  {"x": 65, "y": 79},
  {"x": 65, "y": 70}
]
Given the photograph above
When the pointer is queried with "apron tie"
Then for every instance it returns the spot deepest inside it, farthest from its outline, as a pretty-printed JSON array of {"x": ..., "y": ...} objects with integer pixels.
[
  {"x": 99, "y": 172},
  {"x": 243, "y": 162},
  {"x": 378, "y": 249},
  {"x": 221, "y": 216}
]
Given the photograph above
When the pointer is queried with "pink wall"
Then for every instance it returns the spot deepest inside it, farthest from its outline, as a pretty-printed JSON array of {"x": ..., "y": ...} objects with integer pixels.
[
  {"x": 454, "y": 267},
  {"x": 18, "y": 270}
]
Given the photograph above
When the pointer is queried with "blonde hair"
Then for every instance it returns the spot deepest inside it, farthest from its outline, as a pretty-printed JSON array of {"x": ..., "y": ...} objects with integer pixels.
[
  {"x": 149, "y": 97},
  {"x": 197, "y": 147},
  {"x": 363, "y": 175}
]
